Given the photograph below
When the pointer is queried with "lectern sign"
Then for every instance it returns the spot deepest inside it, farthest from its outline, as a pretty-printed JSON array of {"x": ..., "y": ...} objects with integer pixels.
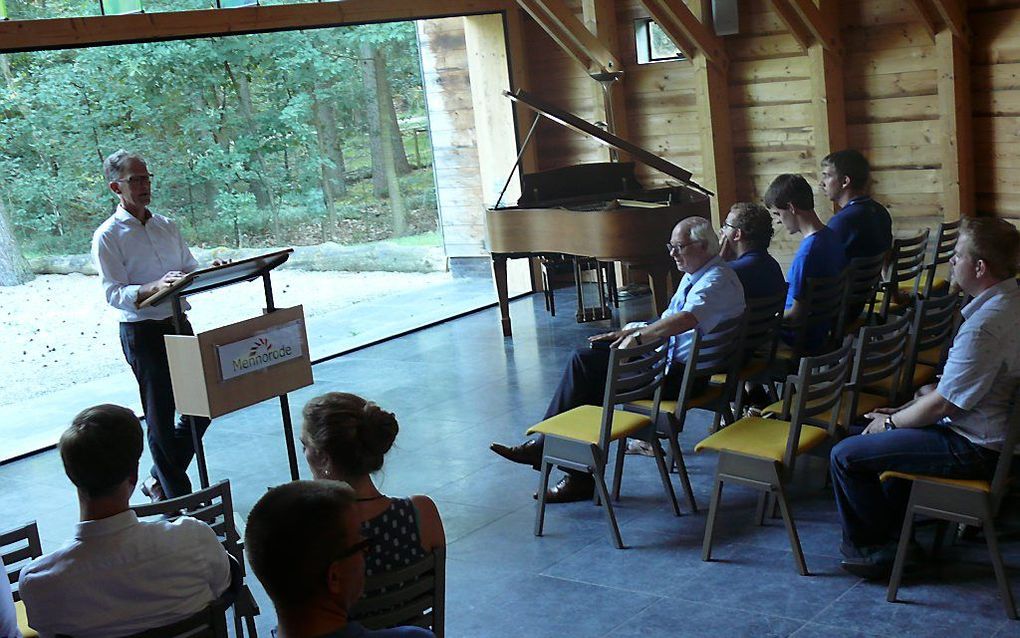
[{"x": 262, "y": 350}]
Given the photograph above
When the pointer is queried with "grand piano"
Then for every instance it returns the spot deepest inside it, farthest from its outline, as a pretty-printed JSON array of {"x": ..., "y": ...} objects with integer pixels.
[{"x": 592, "y": 210}]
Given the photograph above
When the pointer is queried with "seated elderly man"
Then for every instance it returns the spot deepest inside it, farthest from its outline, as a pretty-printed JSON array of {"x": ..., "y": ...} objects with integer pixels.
[
  {"x": 118, "y": 575},
  {"x": 304, "y": 544},
  {"x": 709, "y": 293},
  {"x": 746, "y": 235},
  {"x": 956, "y": 430}
]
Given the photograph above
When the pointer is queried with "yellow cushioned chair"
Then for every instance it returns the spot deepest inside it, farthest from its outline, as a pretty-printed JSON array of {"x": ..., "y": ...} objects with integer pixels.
[
  {"x": 962, "y": 501},
  {"x": 934, "y": 324},
  {"x": 942, "y": 251},
  {"x": 903, "y": 274},
  {"x": 864, "y": 275},
  {"x": 18, "y": 546},
  {"x": 760, "y": 453},
  {"x": 26, "y": 631},
  {"x": 579, "y": 439}
]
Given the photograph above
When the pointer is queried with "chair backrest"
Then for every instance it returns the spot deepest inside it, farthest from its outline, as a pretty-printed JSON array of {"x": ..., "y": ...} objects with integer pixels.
[
  {"x": 211, "y": 622},
  {"x": 864, "y": 274},
  {"x": 413, "y": 595},
  {"x": 634, "y": 373},
  {"x": 934, "y": 324},
  {"x": 941, "y": 251},
  {"x": 823, "y": 305},
  {"x": 817, "y": 388},
  {"x": 718, "y": 352},
  {"x": 879, "y": 353},
  {"x": 1006, "y": 457},
  {"x": 19, "y": 546},
  {"x": 906, "y": 263},
  {"x": 214, "y": 506},
  {"x": 761, "y": 330}
]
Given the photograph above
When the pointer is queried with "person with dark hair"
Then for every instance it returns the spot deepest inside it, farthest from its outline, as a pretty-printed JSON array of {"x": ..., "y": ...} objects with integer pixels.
[
  {"x": 345, "y": 438},
  {"x": 820, "y": 253},
  {"x": 118, "y": 575},
  {"x": 305, "y": 546},
  {"x": 139, "y": 253},
  {"x": 862, "y": 224},
  {"x": 955, "y": 430},
  {"x": 746, "y": 235}
]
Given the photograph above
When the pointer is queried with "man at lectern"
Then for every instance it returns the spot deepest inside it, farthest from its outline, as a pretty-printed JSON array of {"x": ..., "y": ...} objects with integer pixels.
[{"x": 139, "y": 253}]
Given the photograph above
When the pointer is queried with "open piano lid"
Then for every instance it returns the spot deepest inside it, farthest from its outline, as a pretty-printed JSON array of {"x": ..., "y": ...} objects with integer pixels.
[{"x": 571, "y": 121}]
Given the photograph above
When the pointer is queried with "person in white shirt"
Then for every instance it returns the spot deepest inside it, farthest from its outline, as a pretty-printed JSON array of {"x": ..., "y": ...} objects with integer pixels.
[
  {"x": 8, "y": 616},
  {"x": 118, "y": 575},
  {"x": 139, "y": 253}
]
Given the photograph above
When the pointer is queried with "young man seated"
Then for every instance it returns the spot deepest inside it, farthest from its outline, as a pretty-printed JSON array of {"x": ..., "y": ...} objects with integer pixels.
[
  {"x": 118, "y": 575},
  {"x": 863, "y": 225},
  {"x": 304, "y": 544},
  {"x": 955, "y": 430},
  {"x": 746, "y": 235},
  {"x": 820, "y": 253}
]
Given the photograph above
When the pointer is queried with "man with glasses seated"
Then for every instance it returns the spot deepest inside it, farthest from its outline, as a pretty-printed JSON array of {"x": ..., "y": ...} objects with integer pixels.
[
  {"x": 746, "y": 235},
  {"x": 304, "y": 544},
  {"x": 820, "y": 254},
  {"x": 709, "y": 293},
  {"x": 139, "y": 253},
  {"x": 119, "y": 576}
]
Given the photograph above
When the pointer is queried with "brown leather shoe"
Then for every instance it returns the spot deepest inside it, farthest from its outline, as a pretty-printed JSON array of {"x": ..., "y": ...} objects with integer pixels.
[
  {"x": 152, "y": 489},
  {"x": 527, "y": 453},
  {"x": 570, "y": 489}
]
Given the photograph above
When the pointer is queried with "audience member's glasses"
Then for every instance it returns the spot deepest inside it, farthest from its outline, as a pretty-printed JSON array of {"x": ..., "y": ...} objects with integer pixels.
[
  {"x": 136, "y": 179},
  {"x": 360, "y": 546},
  {"x": 728, "y": 225},
  {"x": 676, "y": 248}
]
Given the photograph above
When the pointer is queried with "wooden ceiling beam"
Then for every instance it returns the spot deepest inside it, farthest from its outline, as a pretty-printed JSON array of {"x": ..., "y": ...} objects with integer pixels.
[
  {"x": 793, "y": 22},
  {"x": 954, "y": 16},
  {"x": 809, "y": 23},
  {"x": 686, "y": 30},
  {"x": 567, "y": 30},
  {"x": 929, "y": 17}
]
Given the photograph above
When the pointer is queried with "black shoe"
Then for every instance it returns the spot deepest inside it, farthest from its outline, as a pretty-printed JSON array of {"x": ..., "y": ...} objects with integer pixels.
[
  {"x": 876, "y": 563},
  {"x": 527, "y": 453},
  {"x": 570, "y": 489},
  {"x": 152, "y": 489}
]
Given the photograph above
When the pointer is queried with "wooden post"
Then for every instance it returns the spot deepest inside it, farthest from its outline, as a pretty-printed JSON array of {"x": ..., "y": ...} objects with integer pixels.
[{"x": 958, "y": 185}]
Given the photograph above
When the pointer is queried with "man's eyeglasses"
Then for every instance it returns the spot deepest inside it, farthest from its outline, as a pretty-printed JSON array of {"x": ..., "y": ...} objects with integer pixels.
[
  {"x": 676, "y": 248},
  {"x": 136, "y": 179},
  {"x": 728, "y": 225},
  {"x": 360, "y": 546}
]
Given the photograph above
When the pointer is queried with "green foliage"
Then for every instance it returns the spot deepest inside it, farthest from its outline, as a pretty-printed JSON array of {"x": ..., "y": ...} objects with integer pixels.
[{"x": 228, "y": 126}]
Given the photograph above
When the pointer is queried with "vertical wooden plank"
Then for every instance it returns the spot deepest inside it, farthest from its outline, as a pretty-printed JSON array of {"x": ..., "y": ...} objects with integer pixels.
[
  {"x": 828, "y": 100},
  {"x": 517, "y": 59},
  {"x": 957, "y": 137}
]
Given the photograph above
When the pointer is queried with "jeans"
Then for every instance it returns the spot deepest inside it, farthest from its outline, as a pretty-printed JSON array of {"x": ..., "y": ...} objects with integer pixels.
[
  {"x": 169, "y": 442},
  {"x": 871, "y": 511}
]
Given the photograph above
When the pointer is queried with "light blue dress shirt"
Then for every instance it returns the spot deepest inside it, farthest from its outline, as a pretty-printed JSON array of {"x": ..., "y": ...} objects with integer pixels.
[{"x": 713, "y": 294}]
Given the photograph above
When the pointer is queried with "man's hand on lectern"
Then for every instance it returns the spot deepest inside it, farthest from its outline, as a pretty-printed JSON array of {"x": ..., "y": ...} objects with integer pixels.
[{"x": 164, "y": 282}]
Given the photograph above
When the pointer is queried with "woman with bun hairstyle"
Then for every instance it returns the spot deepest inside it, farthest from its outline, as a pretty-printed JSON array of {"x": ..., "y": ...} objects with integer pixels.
[{"x": 345, "y": 438}]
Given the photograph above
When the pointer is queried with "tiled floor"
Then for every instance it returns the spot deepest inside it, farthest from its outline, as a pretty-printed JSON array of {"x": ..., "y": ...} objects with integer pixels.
[{"x": 459, "y": 386}]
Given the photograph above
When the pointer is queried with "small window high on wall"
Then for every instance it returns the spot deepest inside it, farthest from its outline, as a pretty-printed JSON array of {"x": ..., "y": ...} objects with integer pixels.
[{"x": 653, "y": 45}]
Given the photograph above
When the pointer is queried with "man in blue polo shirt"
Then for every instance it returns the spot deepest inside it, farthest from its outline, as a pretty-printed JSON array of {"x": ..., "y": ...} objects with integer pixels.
[
  {"x": 862, "y": 224},
  {"x": 820, "y": 254},
  {"x": 746, "y": 235}
]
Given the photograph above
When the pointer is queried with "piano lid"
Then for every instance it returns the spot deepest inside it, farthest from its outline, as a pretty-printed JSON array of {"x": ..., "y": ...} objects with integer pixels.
[{"x": 571, "y": 121}]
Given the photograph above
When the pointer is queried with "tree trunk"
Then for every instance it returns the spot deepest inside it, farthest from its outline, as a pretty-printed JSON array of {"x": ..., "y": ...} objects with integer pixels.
[
  {"x": 327, "y": 173},
  {"x": 259, "y": 187},
  {"x": 368, "y": 58},
  {"x": 399, "y": 214},
  {"x": 14, "y": 269},
  {"x": 385, "y": 97}
]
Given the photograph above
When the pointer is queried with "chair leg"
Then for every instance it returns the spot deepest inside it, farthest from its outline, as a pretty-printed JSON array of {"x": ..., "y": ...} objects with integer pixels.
[
  {"x": 660, "y": 461},
  {"x": 901, "y": 551},
  {"x": 600, "y": 486},
  {"x": 940, "y": 537},
  {"x": 543, "y": 485},
  {"x": 621, "y": 450},
  {"x": 791, "y": 529},
  {"x": 1000, "y": 569},
  {"x": 738, "y": 407},
  {"x": 681, "y": 469},
  {"x": 713, "y": 510},
  {"x": 759, "y": 510}
]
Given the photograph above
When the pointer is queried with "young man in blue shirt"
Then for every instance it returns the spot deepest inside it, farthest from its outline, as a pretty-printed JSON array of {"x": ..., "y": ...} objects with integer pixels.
[
  {"x": 820, "y": 254},
  {"x": 862, "y": 224},
  {"x": 746, "y": 235}
]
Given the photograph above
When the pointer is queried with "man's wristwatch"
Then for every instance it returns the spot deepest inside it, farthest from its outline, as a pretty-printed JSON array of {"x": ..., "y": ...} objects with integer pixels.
[
  {"x": 637, "y": 336},
  {"x": 889, "y": 425}
]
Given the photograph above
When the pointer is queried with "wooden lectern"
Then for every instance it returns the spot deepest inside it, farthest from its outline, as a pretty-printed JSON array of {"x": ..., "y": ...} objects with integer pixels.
[{"x": 232, "y": 367}]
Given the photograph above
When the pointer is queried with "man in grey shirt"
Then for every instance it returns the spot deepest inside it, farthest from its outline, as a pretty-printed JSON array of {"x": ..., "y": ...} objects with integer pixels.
[{"x": 955, "y": 430}]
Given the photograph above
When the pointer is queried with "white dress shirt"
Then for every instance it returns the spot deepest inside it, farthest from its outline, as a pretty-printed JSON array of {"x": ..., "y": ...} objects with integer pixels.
[
  {"x": 128, "y": 254},
  {"x": 119, "y": 576},
  {"x": 8, "y": 617}
]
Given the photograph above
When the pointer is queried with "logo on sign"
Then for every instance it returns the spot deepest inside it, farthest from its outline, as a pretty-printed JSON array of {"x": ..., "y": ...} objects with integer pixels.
[{"x": 259, "y": 352}]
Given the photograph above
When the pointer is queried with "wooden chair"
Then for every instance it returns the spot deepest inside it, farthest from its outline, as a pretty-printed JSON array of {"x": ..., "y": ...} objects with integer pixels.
[
  {"x": 904, "y": 273},
  {"x": 823, "y": 302},
  {"x": 414, "y": 595},
  {"x": 18, "y": 547},
  {"x": 864, "y": 275},
  {"x": 941, "y": 252},
  {"x": 716, "y": 354},
  {"x": 211, "y": 622},
  {"x": 579, "y": 439},
  {"x": 760, "y": 453},
  {"x": 213, "y": 506},
  {"x": 966, "y": 502}
]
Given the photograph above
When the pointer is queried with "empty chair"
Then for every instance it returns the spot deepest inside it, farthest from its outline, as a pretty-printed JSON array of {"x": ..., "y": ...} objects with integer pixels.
[
  {"x": 213, "y": 506},
  {"x": 760, "y": 453},
  {"x": 414, "y": 595},
  {"x": 967, "y": 502},
  {"x": 903, "y": 273},
  {"x": 864, "y": 275},
  {"x": 579, "y": 439},
  {"x": 18, "y": 546},
  {"x": 941, "y": 251}
]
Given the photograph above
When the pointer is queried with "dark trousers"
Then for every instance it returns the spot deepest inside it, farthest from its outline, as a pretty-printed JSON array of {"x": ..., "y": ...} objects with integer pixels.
[
  {"x": 871, "y": 510},
  {"x": 584, "y": 383},
  {"x": 169, "y": 441}
]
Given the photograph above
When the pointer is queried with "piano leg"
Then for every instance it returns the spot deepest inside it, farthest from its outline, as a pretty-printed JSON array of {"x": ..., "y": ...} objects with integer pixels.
[
  {"x": 658, "y": 282},
  {"x": 499, "y": 277}
]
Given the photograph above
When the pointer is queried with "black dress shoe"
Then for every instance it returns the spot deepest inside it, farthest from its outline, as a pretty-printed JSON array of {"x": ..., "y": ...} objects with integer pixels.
[
  {"x": 152, "y": 489},
  {"x": 527, "y": 453},
  {"x": 570, "y": 489}
]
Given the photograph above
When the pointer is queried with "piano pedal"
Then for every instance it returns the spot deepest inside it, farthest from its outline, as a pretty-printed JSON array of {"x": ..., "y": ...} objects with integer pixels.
[{"x": 584, "y": 315}]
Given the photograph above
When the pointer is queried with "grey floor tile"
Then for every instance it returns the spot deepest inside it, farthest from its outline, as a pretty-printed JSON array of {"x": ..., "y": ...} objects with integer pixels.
[{"x": 681, "y": 618}]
